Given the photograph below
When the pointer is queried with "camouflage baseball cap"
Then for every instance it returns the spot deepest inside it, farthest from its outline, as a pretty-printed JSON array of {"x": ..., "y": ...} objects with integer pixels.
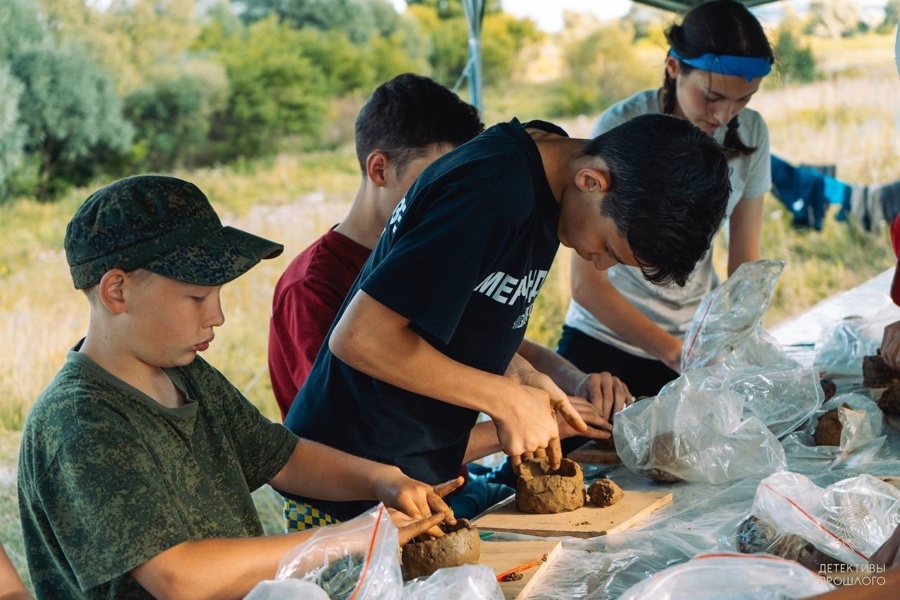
[{"x": 161, "y": 224}]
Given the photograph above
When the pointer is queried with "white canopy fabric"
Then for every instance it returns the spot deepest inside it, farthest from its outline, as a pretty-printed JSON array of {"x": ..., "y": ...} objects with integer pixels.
[{"x": 475, "y": 15}]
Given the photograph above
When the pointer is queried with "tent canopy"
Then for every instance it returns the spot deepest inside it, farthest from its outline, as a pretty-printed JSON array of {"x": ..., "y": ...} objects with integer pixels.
[
  {"x": 685, "y": 5},
  {"x": 475, "y": 15}
]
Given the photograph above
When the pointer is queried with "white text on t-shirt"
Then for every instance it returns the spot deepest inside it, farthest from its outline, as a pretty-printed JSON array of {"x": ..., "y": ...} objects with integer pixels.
[{"x": 506, "y": 289}]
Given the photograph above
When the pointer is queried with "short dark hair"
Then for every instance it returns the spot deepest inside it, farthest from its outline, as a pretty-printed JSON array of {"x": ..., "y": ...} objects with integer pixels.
[
  {"x": 723, "y": 27},
  {"x": 668, "y": 191},
  {"x": 409, "y": 113}
]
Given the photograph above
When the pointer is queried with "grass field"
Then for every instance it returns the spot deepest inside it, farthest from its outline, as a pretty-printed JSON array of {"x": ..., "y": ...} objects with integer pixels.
[{"x": 849, "y": 119}]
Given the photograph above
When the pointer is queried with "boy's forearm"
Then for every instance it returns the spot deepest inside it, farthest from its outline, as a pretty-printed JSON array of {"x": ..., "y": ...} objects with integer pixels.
[
  {"x": 318, "y": 471},
  {"x": 11, "y": 586},
  {"x": 482, "y": 442},
  {"x": 378, "y": 342},
  {"x": 603, "y": 300},
  {"x": 563, "y": 373},
  {"x": 217, "y": 568}
]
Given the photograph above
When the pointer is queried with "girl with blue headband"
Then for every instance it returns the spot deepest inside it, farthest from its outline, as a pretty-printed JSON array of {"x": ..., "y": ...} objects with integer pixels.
[{"x": 619, "y": 322}]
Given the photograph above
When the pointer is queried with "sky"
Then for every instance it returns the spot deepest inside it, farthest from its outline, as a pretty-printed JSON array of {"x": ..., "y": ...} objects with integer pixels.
[{"x": 548, "y": 14}]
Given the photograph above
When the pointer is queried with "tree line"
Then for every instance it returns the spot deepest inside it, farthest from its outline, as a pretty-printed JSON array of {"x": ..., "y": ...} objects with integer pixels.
[
  {"x": 94, "y": 87},
  {"x": 107, "y": 88}
]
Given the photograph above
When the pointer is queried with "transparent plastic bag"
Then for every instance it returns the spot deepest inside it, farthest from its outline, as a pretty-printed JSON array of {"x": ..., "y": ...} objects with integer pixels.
[
  {"x": 726, "y": 328},
  {"x": 843, "y": 346},
  {"x": 847, "y": 520},
  {"x": 358, "y": 558},
  {"x": 471, "y": 582},
  {"x": 694, "y": 430},
  {"x": 730, "y": 576},
  {"x": 860, "y": 437},
  {"x": 783, "y": 399},
  {"x": 286, "y": 589}
]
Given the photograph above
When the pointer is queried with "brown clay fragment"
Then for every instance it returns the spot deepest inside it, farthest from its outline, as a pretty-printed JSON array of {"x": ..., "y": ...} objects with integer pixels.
[
  {"x": 876, "y": 373},
  {"x": 828, "y": 430},
  {"x": 663, "y": 453},
  {"x": 755, "y": 535},
  {"x": 604, "y": 492},
  {"x": 459, "y": 545},
  {"x": 544, "y": 491},
  {"x": 889, "y": 401}
]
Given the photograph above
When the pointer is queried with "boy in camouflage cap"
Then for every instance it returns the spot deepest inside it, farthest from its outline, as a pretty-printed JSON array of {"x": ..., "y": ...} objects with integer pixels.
[{"x": 138, "y": 460}]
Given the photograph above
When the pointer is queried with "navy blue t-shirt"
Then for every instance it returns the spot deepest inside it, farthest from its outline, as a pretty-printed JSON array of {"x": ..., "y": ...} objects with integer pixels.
[{"x": 463, "y": 258}]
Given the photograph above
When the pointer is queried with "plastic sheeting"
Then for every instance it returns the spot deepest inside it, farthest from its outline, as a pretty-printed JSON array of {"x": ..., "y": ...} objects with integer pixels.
[{"x": 703, "y": 517}]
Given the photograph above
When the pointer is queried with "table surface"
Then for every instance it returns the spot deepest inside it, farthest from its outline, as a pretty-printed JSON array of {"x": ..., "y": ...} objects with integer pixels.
[{"x": 703, "y": 517}]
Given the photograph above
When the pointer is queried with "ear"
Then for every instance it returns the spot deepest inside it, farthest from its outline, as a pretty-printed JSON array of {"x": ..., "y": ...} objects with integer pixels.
[
  {"x": 111, "y": 290},
  {"x": 592, "y": 180},
  {"x": 672, "y": 67},
  {"x": 377, "y": 164}
]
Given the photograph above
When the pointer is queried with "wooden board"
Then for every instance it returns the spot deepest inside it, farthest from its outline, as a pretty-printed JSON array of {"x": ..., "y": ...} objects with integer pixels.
[
  {"x": 642, "y": 497},
  {"x": 502, "y": 556},
  {"x": 594, "y": 453}
]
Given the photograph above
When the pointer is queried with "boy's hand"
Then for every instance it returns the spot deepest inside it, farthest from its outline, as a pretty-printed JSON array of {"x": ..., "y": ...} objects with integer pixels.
[
  {"x": 605, "y": 391},
  {"x": 526, "y": 425},
  {"x": 409, "y": 528},
  {"x": 598, "y": 427},
  {"x": 890, "y": 345},
  {"x": 417, "y": 500}
]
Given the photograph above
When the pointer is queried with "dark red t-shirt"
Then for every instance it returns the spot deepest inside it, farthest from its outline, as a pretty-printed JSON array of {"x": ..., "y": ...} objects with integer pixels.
[
  {"x": 895, "y": 241},
  {"x": 306, "y": 300}
]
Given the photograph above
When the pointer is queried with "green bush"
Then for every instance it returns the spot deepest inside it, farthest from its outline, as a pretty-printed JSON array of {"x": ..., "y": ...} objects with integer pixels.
[{"x": 795, "y": 60}]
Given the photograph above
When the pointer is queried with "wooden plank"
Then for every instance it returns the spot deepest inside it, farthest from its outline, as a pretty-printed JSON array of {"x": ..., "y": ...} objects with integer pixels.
[
  {"x": 502, "y": 556},
  {"x": 594, "y": 453},
  {"x": 642, "y": 497}
]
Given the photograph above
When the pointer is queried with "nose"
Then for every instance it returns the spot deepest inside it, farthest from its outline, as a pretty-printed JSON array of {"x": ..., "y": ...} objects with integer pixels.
[
  {"x": 216, "y": 317},
  {"x": 726, "y": 112}
]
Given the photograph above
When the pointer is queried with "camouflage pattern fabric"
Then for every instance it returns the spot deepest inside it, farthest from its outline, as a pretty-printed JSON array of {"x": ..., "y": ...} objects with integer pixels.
[
  {"x": 108, "y": 478},
  {"x": 162, "y": 224}
]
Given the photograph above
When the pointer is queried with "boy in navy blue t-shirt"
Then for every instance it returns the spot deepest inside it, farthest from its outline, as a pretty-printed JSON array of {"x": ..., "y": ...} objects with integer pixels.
[{"x": 428, "y": 335}]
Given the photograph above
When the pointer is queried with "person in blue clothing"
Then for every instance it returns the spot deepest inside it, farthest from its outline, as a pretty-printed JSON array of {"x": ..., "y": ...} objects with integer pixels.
[
  {"x": 808, "y": 191},
  {"x": 428, "y": 335}
]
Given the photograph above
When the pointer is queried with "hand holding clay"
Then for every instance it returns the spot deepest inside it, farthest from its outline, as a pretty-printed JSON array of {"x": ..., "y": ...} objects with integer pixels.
[
  {"x": 890, "y": 345},
  {"x": 605, "y": 391},
  {"x": 409, "y": 528},
  {"x": 525, "y": 421},
  {"x": 417, "y": 500}
]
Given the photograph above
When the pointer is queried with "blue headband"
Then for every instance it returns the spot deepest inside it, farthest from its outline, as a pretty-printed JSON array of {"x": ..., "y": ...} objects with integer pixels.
[{"x": 748, "y": 67}]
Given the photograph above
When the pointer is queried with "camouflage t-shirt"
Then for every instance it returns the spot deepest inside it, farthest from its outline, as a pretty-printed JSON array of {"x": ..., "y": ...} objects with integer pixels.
[{"x": 109, "y": 478}]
